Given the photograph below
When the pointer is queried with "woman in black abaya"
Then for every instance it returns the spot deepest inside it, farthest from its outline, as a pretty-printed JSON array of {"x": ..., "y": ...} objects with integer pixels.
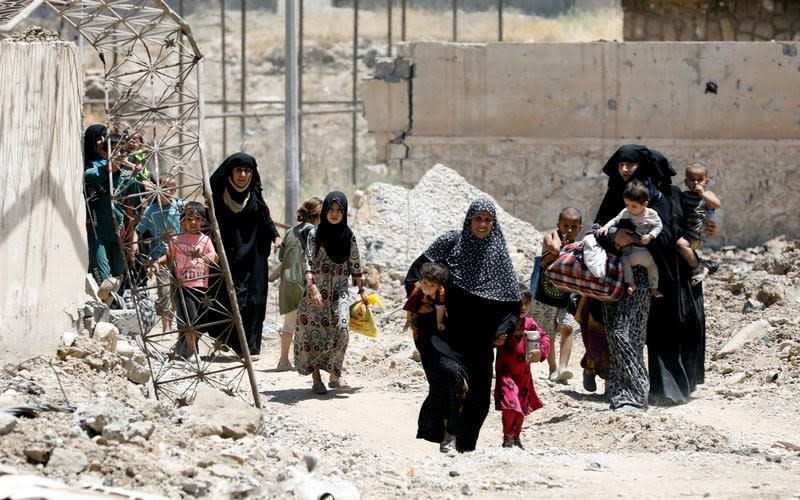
[
  {"x": 673, "y": 327},
  {"x": 481, "y": 295},
  {"x": 247, "y": 235}
]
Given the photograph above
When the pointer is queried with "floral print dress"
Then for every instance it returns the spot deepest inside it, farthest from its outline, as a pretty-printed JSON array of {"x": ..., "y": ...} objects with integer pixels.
[{"x": 321, "y": 333}]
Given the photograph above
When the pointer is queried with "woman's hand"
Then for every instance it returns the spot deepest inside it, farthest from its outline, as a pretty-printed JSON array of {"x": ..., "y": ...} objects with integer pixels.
[
  {"x": 536, "y": 356},
  {"x": 316, "y": 296},
  {"x": 277, "y": 243},
  {"x": 499, "y": 341},
  {"x": 623, "y": 238},
  {"x": 363, "y": 293}
]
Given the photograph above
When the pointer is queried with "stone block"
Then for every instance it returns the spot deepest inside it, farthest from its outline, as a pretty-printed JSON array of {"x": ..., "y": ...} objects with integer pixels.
[
  {"x": 754, "y": 330},
  {"x": 215, "y": 413},
  {"x": 126, "y": 321},
  {"x": 107, "y": 334},
  {"x": 7, "y": 423},
  {"x": 393, "y": 69},
  {"x": 67, "y": 461}
]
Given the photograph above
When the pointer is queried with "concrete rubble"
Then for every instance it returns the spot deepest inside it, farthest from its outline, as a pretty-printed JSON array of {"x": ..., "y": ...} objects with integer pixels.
[{"x": 114, "y": 436}]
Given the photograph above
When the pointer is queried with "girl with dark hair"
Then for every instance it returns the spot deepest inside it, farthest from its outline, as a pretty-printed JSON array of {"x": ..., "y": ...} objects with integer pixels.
[
  {"x": 92, "y": 138},
  {"x": 321, "y": 334},
  {"x": 247, "y": 231}
]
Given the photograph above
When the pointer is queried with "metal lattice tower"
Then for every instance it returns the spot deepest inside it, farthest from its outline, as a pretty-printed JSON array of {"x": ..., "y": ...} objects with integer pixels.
[{"x": 152, "y": 85}]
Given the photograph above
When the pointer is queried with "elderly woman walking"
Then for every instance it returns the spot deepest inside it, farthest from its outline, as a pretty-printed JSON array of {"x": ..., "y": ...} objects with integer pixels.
[
  {"x": 482, "y": 294},
  {"x": 247, "y": 234}
]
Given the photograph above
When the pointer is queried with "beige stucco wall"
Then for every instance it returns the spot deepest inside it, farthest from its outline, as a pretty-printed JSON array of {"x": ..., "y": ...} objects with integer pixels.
[
  {"x": 533, "y": 124},
  {"x": 42, "y": 228}
]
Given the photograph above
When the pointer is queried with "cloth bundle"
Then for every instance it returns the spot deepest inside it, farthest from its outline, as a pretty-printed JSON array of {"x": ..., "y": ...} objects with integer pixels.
[{"x": 570, "y": 273}]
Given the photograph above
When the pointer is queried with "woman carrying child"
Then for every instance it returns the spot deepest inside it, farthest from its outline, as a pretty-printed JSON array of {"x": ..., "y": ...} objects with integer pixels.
[
  {"x": 514, "y": 394},
  {"x": 292, "y": 255},
  {"x": 482, "y": 294},
  {"x": 675, "y": 327},
  {"x": 321, "y": 334}
]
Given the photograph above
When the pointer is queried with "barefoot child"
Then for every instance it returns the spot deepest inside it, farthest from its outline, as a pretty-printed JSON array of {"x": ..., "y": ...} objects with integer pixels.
[
  {"x": 647, "y": 225},
  {"x": 558, "y": 318},
  {"x": 190, "y": 254},
  {"x": 697, "y": 204},
  {"x": 514, "y": 394},
  {"x": 427, "y": 298}
]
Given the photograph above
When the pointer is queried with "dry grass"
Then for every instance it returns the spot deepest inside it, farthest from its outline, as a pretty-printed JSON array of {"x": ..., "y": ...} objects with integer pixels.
[{"x": 335, "y": 25}]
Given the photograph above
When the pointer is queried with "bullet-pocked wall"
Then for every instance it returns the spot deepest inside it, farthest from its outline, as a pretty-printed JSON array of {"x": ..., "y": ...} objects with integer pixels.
[
  {"x": 532, "y": 124},
  {"x": 42, "y": 228}
]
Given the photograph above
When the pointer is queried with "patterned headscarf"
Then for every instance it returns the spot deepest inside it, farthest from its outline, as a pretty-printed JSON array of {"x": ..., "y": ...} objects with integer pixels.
[{"x": 480, "y": 266}]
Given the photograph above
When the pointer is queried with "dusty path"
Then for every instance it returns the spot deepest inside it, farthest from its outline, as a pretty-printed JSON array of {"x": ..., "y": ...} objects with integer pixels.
[{"x": 559, "y": 461}]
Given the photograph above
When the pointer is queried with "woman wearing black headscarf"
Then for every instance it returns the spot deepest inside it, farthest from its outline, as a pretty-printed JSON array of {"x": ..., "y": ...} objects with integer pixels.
[
  {"x": 481, "y": 296},
  {"x": 92, "y": 137},
  {"x": 673, "y": 327},
  {"x": 247, "y": 233},
  {"x": 321, "y": 335}
]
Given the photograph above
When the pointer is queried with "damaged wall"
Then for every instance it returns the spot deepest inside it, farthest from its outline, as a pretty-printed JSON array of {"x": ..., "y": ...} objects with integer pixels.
[
  {"x": 42, "y": 229},
  {"x": 532, "y": 124}
]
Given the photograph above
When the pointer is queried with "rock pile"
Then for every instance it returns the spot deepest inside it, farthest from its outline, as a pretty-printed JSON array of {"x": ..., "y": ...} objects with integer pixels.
[{"x": 396, "y": 224}]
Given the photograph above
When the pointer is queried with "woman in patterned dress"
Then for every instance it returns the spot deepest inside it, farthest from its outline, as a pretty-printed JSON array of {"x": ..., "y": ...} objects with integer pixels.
[
  {"x": 321, "y": 335},
  {"x": 673, "y": 327}
]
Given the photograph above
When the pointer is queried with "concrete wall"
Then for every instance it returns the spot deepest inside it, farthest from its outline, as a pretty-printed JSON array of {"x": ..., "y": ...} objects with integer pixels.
[
  {"x": 711, "y": 20},
  {"x": 533, "y": 124},
  {"x": 42, "y": 228}
]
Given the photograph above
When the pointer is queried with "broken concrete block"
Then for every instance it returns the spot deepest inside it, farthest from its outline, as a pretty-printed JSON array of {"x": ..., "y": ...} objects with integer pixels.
[
  {"x": 754, "y": 330},
  {"x": 125, "y": 349},
  {"x": 126, "y": 321},
  {"x": 214, "y": 412},
  {"x": 137, "y": 370},
  {"x": 7, "y": 423},
  {"x": 38, "y": 452},
  {"x": 67, "y": 461},
  {"x": 107, "y": 334},
  {"x": 68, "y": 338},
  {"x": 96, "y": 415}
]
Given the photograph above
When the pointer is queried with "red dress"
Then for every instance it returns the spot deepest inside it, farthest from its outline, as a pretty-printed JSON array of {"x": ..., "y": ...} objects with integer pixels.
[{"x": 513, "y": 388}]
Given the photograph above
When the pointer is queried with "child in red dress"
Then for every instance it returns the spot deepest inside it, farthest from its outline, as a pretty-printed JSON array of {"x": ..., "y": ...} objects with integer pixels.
[{"x": 514, "y": 394}]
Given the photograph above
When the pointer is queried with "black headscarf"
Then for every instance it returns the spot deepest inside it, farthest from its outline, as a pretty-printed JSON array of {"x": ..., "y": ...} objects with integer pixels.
[
  {"x": 240, "y": 229},
  {"x": 335, "y": 238},
  {"x": 246, "y": 237},
  {"x": 653, "y": 170},
  {"x": 90, "y": 137},
  {"x": 220, "y": 179},
  {"x": 480, "y": 266}
]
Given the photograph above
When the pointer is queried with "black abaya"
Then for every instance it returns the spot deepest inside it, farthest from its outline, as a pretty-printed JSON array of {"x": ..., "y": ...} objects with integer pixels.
[
  {"x": 247, "y": 238},
  {"x": 676, "y": 323}
]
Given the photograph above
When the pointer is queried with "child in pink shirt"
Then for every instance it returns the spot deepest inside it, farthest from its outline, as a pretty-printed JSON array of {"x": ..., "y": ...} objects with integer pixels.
[
  {"x": 190, "y": 255},
  {"x": 514, "y": 394}
]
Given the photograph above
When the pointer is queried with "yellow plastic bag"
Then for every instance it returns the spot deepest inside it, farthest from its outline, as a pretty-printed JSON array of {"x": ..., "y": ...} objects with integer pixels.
[{"x": 361, "y": 320}]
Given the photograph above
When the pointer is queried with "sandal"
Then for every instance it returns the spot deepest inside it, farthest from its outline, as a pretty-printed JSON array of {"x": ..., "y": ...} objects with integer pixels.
[{"x": 319, "y": 388}]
